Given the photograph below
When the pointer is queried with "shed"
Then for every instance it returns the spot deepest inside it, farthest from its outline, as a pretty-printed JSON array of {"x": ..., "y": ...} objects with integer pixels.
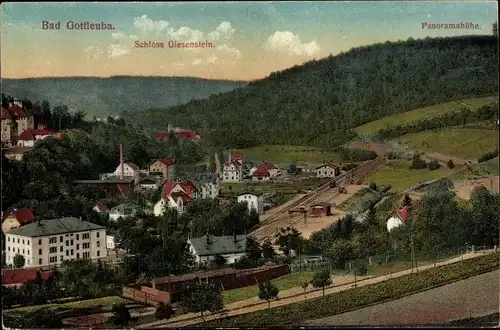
[{"x": 321, "y": 209}]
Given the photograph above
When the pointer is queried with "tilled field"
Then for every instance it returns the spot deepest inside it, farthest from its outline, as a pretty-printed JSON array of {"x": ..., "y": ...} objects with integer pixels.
[{"x": 478, "y": 295}]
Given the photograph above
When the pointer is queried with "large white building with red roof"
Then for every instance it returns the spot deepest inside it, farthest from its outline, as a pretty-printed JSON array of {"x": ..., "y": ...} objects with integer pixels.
[
  {"x": 130, "y": 170},
  {"x": 175, "y": 194},
  {"x": 233, "y": 168},
  {"x": 30, "y": 136}
]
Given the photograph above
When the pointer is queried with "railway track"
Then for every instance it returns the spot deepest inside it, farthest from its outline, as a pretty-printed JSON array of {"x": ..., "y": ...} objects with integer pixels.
[{"x": 266, "y": 229}]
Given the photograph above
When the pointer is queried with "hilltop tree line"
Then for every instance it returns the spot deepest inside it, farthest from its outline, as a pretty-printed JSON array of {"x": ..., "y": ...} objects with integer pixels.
[
  {"x": 462, "y": 117},
  {"x": 318, "y": 102}
]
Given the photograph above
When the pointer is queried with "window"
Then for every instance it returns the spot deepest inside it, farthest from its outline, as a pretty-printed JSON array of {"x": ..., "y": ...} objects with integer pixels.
[
  {"x": 40, "y": 241},
  {"x": 53, "y": 240},
  {"x": 98, "y": 243},
  {"x": 77, "y": 236},
  {"x": 28, "y": 241},
  {"x": 67, "y": 243},
  {"x": 17, "y": 250},
  {"x": 23, "y": 251},
  {"x": 86, "y": 245},
  {"x": 18, "y": 240},
  {"x": 53, "y": 259},
  {"x": 97, "y": 235},
  {"x": 40, "y": 261},
  {"x": 28, "y": 252},
  {"x": 61, "y": 239},
  {"x": 53, "y": 249},
  {"x": 60, "y": 249},
  {"x": 67, "y": 252},
  {"x": 78, "y": 256},
  {"x": 86, "y": 255},
  {"x": 61, "y": 258},
  {"x": 40, "y": 251},
  {"x": 86, "y": 236},
  {"x": 23, "y": 242},
  {"x": 9, "y": 248},
  {"x": 8, "y": 239},
  {"x": 71, "y": 242},
  {"x": 70, "y": 234},
  {"x": 78, "y": 246},
  {"x": 98, "y": 253},
  {"x": 72, "y": 252}
]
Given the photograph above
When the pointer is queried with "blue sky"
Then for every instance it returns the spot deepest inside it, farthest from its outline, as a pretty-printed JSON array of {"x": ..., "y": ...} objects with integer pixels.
[{"x": 259, "y": 37}]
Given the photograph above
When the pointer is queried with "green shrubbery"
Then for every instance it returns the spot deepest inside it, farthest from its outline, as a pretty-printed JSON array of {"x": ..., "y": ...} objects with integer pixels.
[{"x": 361, "y": 296}]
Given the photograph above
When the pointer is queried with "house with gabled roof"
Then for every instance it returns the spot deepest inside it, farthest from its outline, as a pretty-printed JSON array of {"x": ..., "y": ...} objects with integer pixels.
[
  {"x": 163, "y": 166},
  {"x": 204, "y": 249},
  {"x": 328, "y": 171},
  {"x": 30, "y": 136},
  {"x": 125, "y": 210},
  {"x": 254, "y": 200},
  {"x": 175, "y": 194},
  {"x": 232, "y": 171},
  {"x": 399, "y": 219},
  {"x": 17, "y": 218},
  {"x": 130, "y": 170}
]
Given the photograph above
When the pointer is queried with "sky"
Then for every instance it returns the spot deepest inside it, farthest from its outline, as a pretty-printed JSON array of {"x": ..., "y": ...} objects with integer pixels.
[{"x": 249, "y": 40}]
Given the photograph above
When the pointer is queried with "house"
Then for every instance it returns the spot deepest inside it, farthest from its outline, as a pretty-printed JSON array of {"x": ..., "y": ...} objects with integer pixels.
[
  {"x": 15, "y": 120},
  {"x": 130, "y": 170},
  {"x": 232, "y": 172},
  {"x": 254, "y": 200},
  {"x": 236, "y": 156},
  {"x": 399, "y": 219},
  {"x": 21, "y": 276},
  {"x": 17, "y": 218},
  {"x": 15, "y": 153},
  {"x": 164, "y": 166},
  {"x": 110, "y": 242},
  {"x": 328, "y": 171},
  {"x": 177, "y": 200},
  {"x": 185, "y": 186},
  {"x": 125, "y": 210},
  {"x": 261, "y": 174},
  {"x": 207, "y": 187},
  {"x": 101, "y": 208},
  {"x": 205, "y": 248},
  {"x": 147, "y": 183},
  {"x": 321, "y": 209},
  {"x": 49, "y": 242},
  {"x": 30, "y": 136}
]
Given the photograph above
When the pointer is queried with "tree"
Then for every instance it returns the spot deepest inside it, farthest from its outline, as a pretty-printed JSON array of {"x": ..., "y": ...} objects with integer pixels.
[
  {"x": 268, "y": 250},
  {"x": 163, "y": 312},
  {"x": 373, "y": 186},
  {"x": 205, "y": 297},
  {"x": 321, "y": 279},
  {"x": 19, "y": 261},
  {"x": 253, "y": 218},
  {"x": 371, "y": 219},
  {"x": 406, "y": 201},
  {"x": 268, "y": 292},
  {"x": 219, "y": 261},
  {"x": 360, "y": 269},
  {"x": 253, "y": 250},
  {"x": 340, "y": 251},
  {"x": 433, "y": 165},
  {"x": 450, "y": 164},
  {"x": 304, "y": 285},
  {"x": 288, "y": 239},
  {"x": 121, "y": 315}
]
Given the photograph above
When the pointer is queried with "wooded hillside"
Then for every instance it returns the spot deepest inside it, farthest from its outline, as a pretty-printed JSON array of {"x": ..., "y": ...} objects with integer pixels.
[{"x": 314, "y": 104}]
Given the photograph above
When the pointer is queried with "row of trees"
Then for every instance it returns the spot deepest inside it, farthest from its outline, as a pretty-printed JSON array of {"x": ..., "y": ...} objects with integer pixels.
[{"x": 462, "y": 117}]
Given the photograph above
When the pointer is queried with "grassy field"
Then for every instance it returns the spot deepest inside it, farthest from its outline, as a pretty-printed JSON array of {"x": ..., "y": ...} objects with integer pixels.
[
  {"x": 90, "y": 303},
  {"x": 273, "y": 187},
  {"x": 465, "y": 143},
  {"x": 489, "y": 167},
  {"x": 397, "y": 174},
  {"x": 422, "y": 113},
  {"x": 287, "y": 154}
]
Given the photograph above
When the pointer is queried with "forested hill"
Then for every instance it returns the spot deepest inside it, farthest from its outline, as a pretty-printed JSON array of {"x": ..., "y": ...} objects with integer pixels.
[
  {"x": 316, "y": 102},
  {"x": 102, "y": 97}
]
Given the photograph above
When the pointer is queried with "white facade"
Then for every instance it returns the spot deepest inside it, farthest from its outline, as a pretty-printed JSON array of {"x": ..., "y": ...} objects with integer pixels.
[
  {"x": 253, "y": 201},
  {"x": 128, "y": 171},
  {"x": 110, "y": 242},
  {"x": 232, "y": 173},
  {"x": 31, "y": 143},
  {"x": 161, "y": 206},
  {"x": 231, "y": 258},
  {"x": 261, "y": 178},
  {"x": 209, "y": 190},
  {"x": 393, "y": 222},
  {"x": 54, "y": 249},
  {"x": 327, "y": 171},
  {"x": 122, "y": 212}
]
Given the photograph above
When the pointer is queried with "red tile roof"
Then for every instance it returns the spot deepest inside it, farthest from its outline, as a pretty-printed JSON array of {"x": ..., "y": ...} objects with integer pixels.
[
  {"x": 30, "y": 134},
  {"x": 403, "y": 214},
  {"x": 161, "y": 135},
  {"x": 190, "y": 135},
  {"x": 24, "y": 216},
  {"x": 236, "y": 155},
  {"x": 18, "y": 112},
  {"x": 179, "y": 194},
  {"x": 133, "y": 166},
  {"x": 261, "y": 172},
  {"x": 5, "y": 113},
  {"x": 166, "y": 161},
  {"x": 187, "y": 186},
  {"x": 22, "y": 275},
  {"x": 267, "y": 166}
]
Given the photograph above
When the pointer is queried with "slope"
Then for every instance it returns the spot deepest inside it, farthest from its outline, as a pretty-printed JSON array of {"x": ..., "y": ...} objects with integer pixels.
[
  {"x": 315, "y": 103},
  {"x": 102, "y": 97}
]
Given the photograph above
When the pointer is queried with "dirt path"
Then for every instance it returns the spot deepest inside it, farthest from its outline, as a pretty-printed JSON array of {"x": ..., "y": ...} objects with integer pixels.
[
  {"x": 190, "y": 318},
  {"x": 474, "y": 296},
  {"x": 464, "y": 188}
]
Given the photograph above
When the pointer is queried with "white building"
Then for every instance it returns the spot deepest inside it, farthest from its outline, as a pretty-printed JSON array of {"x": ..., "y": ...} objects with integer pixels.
[
  {"x": 130, "y": 170},
  {"x": 232, "y": 172},
  {"x": 254, "y": 201},
  {"x": 123, "y": 211},
  {"x": 176, "y": 200},
  {"x": 49, "y": 242},
  {"x": 205, "y": 248},
  {"x": 148, "y": 184},
  {"x": 110, "y": 242},
  {"x": 208, "y": 190},
  {"x": 393, "y": 222},
  {"x": 30, "y": 136},
  {"x": 328, "y": 171}
]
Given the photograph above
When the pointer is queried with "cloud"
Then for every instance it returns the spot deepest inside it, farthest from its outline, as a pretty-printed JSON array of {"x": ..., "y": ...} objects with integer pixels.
[
  {"x": 209, "y": 60},
  {"x": 185, "y": 33},
  {"x": 223, "y": 31},
  {"x": 231, "y": 51},
  {"x": 93, "y": 52},
  {"x": 121, "y": 36},
  {"x": 117, "y": 50},
  {"x": 147, "y": 25},
  {"x": 286, "y": 41}
]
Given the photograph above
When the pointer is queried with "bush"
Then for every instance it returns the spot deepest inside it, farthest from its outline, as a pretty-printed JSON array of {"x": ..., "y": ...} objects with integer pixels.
[
  {"x": 450, "y": 164},
  {"x": 373, "y": 186},
  {"x": 359, "y": 297},
  {"x": 417, "y": 163},
  {"x": 163, "y": 312},
  {"x": 488, "y": 156},
  {"x": 433, "y": 165}
]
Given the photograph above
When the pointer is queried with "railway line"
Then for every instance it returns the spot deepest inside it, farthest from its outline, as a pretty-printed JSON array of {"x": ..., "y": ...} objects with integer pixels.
[{"x": 268, "y": 227}]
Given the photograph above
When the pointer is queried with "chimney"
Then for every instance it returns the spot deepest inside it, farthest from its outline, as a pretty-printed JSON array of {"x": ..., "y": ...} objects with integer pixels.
[
  {"x": 121, "y": 161},
  {"x": 208, "y": 239}
]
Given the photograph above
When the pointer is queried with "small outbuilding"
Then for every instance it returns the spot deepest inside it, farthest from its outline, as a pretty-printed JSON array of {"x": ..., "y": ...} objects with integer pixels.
[{"x": 321, "y": 209}]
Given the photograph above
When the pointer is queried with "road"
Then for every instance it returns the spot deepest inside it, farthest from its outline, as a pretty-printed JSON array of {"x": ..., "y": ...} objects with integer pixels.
[
  {"x": 237, "y": 308},
  {"x": 472, "y": 297}
]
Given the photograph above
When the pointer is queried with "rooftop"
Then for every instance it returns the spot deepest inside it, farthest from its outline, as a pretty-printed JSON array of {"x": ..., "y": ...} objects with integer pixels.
[
  {"x": 54, "y": 227},
  {"x": 219, "y": 244},
  {"x": 22, "y": 275}
]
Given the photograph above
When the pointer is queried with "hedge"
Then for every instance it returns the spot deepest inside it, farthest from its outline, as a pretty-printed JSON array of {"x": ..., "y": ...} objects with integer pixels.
[{"x": 359, "y": 297}]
